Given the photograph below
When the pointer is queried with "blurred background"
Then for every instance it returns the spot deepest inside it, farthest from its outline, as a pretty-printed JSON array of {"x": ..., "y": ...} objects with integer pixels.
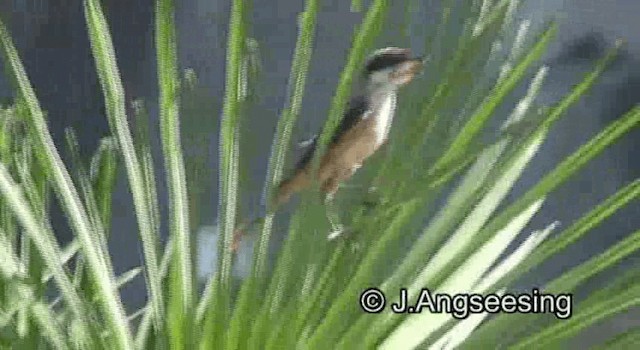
[{"x": 51, "y": 38}]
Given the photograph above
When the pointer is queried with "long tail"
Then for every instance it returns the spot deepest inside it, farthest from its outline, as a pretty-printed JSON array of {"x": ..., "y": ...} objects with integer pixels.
[
  {"x": 241, "y": 230},
  {"x": 287, "y": 188}
]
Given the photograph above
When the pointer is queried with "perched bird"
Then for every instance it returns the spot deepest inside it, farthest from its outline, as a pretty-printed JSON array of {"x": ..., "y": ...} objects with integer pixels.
[{"x": 363, "y": 129}]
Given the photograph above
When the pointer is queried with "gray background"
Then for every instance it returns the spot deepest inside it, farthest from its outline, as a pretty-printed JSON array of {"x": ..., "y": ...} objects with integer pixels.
[{"x": 52, "y": 42}]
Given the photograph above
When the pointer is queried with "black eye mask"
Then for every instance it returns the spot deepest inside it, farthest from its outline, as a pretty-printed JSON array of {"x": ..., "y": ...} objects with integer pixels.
[{"x": 386, "y": 60}]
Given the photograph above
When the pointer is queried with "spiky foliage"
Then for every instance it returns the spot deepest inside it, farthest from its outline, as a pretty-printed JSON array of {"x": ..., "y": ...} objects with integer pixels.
[{"x": 310, "y": 298}]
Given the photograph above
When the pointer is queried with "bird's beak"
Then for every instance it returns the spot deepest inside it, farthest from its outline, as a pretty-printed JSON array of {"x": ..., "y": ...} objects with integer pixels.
[
  {"x": 410, "y": 69},
  {"x": 420, "y": 62}
]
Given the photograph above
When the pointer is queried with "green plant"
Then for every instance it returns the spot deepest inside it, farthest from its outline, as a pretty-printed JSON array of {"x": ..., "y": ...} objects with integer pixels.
[{"x": 309, "y": 299}]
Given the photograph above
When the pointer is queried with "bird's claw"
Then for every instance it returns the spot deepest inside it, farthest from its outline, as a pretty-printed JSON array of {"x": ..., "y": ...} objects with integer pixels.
[{"x": 337, "y": 232}]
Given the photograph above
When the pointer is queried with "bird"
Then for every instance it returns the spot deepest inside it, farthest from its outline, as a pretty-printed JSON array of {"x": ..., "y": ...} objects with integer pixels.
[{"x": 363, "y": 129}]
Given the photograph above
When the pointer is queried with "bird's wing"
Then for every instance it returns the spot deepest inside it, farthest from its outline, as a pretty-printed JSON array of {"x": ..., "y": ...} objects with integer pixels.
[
  {"x": 355, "y": 111},
  {"x": 309, "y": 149}
]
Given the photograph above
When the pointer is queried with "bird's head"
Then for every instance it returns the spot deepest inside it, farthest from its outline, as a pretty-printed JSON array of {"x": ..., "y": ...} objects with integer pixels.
[{"x": 392, "y": 66}]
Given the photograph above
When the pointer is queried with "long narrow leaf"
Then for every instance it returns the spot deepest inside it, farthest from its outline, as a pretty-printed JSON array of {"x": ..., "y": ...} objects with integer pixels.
[
  {"x": 104, "y": 56},
  {"x": 219, "y": 307},
  {"x": 297, "y": 80},
  {"x": 51, "y": 161},
  {"x": 482, "y": 114},
  {"x": 44, "y": 240},
  {"x": 49, "y": 326},
  {"x": 181, "y": 287}
]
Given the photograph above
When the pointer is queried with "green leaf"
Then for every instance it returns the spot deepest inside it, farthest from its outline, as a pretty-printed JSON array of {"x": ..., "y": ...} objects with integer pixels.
[
  {"x": 220, "y": 304},
  {"x": 49, "y": 326},
  {"x": 626, "y": 340},
  {"x": 242, "y": 315},
  {"x": 181, "y": 291},
  {"x": 482, "y": 114},
  {"x": 109, "y": 76},
  {"x": 51, "y": 162},
  {"x": 584, "y": 317}
]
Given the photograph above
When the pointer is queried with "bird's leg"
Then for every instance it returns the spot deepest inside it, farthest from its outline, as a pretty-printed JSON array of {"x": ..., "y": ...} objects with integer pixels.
[
  {"x": 349, "y": 174},
  {"x": 334, "y": 218},
  {"x": 348, "y": 186}
]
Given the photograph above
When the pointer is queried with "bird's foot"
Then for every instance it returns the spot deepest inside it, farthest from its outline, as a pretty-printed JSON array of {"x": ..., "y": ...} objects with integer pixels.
[
  {"x": 338, "y": 232},
  {"x": 335, "y": 233}
]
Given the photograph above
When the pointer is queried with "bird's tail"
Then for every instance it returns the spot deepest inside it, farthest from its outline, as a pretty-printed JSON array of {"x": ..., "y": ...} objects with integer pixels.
[
  {"x": 296, "y": 183},
  {"x": 241, "y": 230},
  {"x": 287, "y": 188}
]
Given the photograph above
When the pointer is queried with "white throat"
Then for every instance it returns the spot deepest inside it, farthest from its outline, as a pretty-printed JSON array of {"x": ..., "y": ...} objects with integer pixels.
[{"x": 383, "y": 105}]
